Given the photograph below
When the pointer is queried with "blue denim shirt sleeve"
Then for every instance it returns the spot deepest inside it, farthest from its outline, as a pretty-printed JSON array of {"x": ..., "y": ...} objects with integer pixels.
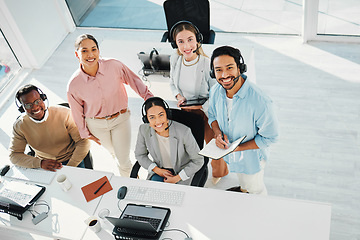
[{"x": 267, "y": 125}]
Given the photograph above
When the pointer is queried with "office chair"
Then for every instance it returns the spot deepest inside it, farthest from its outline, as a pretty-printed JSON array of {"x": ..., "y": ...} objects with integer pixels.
[
  {"x": 195, "y": 11},
  {"x": 196, "y": 124},
  {"x": 88, "y": 161}
]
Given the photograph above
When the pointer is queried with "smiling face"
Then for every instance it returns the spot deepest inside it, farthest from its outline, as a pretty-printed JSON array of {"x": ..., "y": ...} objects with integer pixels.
[
  {"x": 88, "y": 55},
  {"x": 187, "y": 44},
  {"x": 226, "y": 71},
  {"x": 158, "y": 120},
  {"x": 36, "y": 112}
]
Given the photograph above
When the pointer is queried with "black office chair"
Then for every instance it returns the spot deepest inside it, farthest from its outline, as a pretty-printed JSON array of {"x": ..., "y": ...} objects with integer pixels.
[
  {"x": 88, "y": 161},
  {"x": 196, "y": 124},
  {"x": 195, "y": 11}
]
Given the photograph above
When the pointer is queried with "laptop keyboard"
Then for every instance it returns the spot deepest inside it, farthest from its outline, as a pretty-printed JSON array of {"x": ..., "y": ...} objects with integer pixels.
[
  {"x": 155, "y": 222},
  {"x": 154, "y": 195},
  {"x": 135, "y": 232}
]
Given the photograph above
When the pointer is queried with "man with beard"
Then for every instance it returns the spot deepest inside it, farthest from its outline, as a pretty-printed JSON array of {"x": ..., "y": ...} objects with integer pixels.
[
  {"x": 50, "y": 131},
  {"x": 238, "y": 108}
]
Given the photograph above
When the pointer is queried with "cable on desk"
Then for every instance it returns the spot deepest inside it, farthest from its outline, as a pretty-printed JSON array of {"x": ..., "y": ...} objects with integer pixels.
[
  {"x": 40, "y": 216},
  {"x": 119, "y": 206},
  {"x": 144, "y": 78},
  {"x": 39, "y": 203},
  {"x": 175, "y": 229}
]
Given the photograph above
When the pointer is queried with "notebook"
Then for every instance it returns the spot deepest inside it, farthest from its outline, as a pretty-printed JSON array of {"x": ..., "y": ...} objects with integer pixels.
[
  {"x": 212, "y": 151},
  {"x": 140, "y": 222}
]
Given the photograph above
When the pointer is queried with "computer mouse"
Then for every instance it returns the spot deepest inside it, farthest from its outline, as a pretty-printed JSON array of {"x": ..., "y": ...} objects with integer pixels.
[
  {"x": 4, "y": 170},
  {"x": 122, "y": 192}
]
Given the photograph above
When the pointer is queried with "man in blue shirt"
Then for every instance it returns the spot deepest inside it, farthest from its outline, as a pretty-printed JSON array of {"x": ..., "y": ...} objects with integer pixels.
[{"x": 237, "y": 108}]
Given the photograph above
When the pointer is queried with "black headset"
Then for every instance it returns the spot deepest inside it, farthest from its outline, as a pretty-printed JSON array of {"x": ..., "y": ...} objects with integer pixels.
[
  {"x": 237, "y": 54},
  {"x": 19, "y": 104},
  {"x": 198, "y": 35},
  {"x": 148, "y": 101},
  {"x": 155, "y": 65}
]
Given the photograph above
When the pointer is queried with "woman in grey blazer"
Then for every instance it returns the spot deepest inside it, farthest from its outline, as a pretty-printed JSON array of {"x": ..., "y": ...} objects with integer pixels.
[{"x": 171, "y": 145}]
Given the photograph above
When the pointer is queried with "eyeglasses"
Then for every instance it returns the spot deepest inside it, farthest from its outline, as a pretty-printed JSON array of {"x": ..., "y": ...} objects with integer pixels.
[{"x": 30, "y": 105}]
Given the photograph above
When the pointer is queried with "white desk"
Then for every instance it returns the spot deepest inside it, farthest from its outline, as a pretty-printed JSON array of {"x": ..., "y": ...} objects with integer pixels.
[
  {"x": 68, "y": 210},
  {"x": 217, "y": 214}
]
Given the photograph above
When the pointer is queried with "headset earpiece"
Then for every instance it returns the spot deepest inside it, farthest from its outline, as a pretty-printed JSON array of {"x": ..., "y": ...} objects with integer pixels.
[
  {"x": 43, "y": 96},
  {"x": 199, "y": 37}
]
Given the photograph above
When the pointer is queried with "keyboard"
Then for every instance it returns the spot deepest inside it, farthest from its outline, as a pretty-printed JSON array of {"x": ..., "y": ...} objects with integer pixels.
[
  {"x": 155, "y": 222},
  {"x": 154, "y": 195}
]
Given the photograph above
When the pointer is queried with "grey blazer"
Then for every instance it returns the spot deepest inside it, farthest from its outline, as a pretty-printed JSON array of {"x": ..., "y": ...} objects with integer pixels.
[{"x": 183, "y": 150}]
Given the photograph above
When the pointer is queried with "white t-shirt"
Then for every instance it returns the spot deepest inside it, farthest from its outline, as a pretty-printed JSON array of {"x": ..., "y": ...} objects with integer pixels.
[
  {"x": 164, "y": 145},
  {"x": 187, "y": 80},
  {"x": 229, "y": 103}
]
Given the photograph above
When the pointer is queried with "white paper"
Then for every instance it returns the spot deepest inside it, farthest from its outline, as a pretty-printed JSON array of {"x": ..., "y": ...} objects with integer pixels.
[{"x": 214, "y": 152}]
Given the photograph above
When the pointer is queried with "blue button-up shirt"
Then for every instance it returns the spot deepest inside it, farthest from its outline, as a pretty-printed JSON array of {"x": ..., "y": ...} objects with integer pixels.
[{"x": 251, "y": 115}]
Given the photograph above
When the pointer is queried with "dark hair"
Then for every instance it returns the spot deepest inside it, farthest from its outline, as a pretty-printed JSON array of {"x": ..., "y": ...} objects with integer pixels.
[
  {"x": 226, "y": 50},
  {"x": 82, "y": 37},
  {"x": 154, "y": 101},
  {"x": 25, "y": 90}
]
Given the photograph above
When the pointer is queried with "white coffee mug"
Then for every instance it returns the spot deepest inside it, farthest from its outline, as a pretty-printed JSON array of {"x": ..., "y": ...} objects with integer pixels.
[
  {"x": 93, "y": 223},
  {"x": 64, "y": 182},
  {"x": 104, "y": 213}
]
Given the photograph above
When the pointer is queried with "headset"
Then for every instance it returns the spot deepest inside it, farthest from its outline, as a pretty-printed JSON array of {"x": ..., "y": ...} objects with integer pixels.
[
  {"x": 155, "y": 65},
  {"x": 235, "y": 54},
  {"x": 150, "y": 100},
  {"x": 19, "y": 104},
  {"x": 198, "y": 35}
]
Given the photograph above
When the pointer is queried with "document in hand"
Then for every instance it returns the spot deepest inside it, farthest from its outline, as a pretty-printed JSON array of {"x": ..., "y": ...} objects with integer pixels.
[{"x": 214, "y": 152}]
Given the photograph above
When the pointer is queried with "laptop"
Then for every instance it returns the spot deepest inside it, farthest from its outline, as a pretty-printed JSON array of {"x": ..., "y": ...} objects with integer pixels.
[{"x": 141, "y": 222}]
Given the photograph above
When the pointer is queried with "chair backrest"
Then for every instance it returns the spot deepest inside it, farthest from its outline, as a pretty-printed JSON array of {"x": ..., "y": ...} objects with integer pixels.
[
  {"x": 195, "y": 11},
  {"x": 196, "y": 124}
]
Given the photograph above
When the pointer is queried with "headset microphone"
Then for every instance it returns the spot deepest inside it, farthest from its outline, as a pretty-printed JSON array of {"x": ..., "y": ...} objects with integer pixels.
[
  {"x": 168, "y": 125},
  {"x": 235, "y": 81},
  {"x": 199, "y": 46}
]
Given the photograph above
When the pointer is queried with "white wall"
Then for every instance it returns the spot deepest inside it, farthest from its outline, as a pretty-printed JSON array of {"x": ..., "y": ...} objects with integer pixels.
[{"x": 35, "y": 28}]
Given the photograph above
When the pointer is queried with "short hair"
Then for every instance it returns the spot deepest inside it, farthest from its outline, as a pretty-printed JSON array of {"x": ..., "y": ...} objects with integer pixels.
[
  {"x": 226, "y": 50},
  {"x": 82, "y": 37},
  {"x": 25, "y": 90}
]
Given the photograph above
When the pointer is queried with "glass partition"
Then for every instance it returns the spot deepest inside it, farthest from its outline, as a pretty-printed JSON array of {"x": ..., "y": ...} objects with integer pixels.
[
  {"x": 9, "y": 66},
  {"x": 339, "y": 17}
]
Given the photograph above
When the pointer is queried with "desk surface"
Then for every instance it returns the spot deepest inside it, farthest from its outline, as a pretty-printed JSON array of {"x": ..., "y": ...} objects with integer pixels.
[
  {"x": 68, "y": 210},
  {"x": 217, "y": 214},
  {"x": 204, "y": 214}
]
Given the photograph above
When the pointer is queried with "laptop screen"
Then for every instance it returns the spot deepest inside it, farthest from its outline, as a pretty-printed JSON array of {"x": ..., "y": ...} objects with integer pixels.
[{"x": 142, "y": 218}]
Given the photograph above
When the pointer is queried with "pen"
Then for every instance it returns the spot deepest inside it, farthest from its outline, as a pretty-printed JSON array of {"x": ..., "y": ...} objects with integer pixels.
[
  {"x": 100, "y": 187},
  {"x": 222, "y": 137}
]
